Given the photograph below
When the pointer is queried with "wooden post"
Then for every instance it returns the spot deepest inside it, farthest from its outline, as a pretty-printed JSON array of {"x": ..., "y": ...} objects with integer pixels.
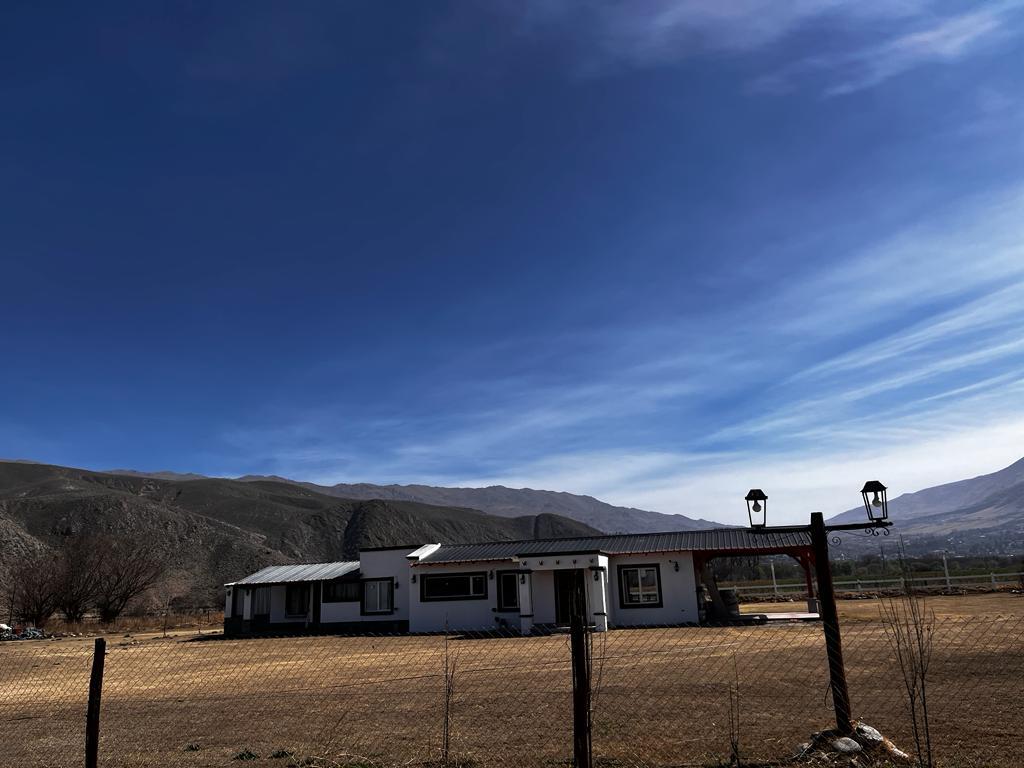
[
  {"x": 581, "y": 736},
  {"x": 830, "y": 621},
  {"x": 92, "y": 716}
]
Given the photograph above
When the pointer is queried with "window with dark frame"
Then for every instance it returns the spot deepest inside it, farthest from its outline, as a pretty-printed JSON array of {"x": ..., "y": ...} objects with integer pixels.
[
  {"x": 508, "y": 591},
  {"x": 640, "y": 586},
  {"x": 296, "y": 600},
  {"x": 378, "y": 596},
  {"x": 453, "y": 586},
  {"x": 261, "y": 601},
  {"x": 342, "y": 591}
]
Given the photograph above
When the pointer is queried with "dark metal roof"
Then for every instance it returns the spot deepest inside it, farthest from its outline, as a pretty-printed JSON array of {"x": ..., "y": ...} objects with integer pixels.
[
  {"x": 716, "y": 539},
  {"x": 283, "y": 574}
]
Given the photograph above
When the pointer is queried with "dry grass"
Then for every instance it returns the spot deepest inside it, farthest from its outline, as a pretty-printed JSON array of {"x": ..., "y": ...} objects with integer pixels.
[{"x": 662, "y": 698}]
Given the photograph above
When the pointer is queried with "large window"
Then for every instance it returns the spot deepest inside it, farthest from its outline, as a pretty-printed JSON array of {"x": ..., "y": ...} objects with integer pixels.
[
  {"x": 639, "y": 586},
  {"x": 453, "y": 586},
  {"x": 378, "y": 596},
  {"x": 296, "y": 600},
  {"x": 261, "y": 601},
  {"x": 508, "y": 591},
  {"x": 342, "y": 591}
]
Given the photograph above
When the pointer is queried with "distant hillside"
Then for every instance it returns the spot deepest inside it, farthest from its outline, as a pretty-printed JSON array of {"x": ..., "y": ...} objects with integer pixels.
[
  {"x": 512, "y": 502},
  {"x": 982, "y": 515},
  {"x": 214, "y": 530}
]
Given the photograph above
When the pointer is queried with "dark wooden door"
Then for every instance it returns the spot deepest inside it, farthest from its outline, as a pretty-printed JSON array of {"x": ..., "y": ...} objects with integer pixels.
[{"x": 566, "y": 583}]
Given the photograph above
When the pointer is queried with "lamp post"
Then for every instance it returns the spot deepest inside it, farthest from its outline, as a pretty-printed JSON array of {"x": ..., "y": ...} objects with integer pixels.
[{"x": 877, "y": 507}]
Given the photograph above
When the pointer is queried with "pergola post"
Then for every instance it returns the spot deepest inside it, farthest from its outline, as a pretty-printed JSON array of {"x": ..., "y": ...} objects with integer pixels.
[{"x": 812, "y": 603}]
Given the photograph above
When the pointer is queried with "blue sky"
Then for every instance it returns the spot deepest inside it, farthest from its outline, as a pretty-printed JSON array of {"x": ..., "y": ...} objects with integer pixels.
[{"x": 657, "y": 252}]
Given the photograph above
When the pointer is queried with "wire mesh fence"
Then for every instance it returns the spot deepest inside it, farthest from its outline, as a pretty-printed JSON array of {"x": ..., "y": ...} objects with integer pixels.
[{"x": 666, "y": 696}]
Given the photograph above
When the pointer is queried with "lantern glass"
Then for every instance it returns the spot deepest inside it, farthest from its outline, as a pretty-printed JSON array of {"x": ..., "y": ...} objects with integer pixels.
[
  {"x": 876, "y": 504},
  {"x": 757, "y": 507}
]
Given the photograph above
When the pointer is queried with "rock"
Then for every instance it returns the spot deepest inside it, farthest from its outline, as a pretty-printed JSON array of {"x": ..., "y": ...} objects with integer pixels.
[
  {"x": 896, "y": 751},
  {"x": 802, "y": 749},
  {"x": 846, "y": 745},
  {"x": 869, "y": 734}
]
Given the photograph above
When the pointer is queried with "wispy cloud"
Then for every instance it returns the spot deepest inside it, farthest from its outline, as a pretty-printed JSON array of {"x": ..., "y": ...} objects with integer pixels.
[
  {"x": 650, "y": 33},
  {"x": 902, "y": 359},
  {"x": 946, "y": 39},
  {"x": 868, "y": 42}
]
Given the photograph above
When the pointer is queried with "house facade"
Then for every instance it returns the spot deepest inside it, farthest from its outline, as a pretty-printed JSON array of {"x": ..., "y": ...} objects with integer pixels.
[{"x": 522, "y": 586}]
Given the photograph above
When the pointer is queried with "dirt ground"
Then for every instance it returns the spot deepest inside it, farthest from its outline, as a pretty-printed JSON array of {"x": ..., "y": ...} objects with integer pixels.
[{"x": 663, "y": 696}]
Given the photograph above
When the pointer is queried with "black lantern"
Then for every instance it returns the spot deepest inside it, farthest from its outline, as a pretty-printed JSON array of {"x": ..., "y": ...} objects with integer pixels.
[
  {"x": 875, "y": 502},
  {"x": 757, "y": 507}
]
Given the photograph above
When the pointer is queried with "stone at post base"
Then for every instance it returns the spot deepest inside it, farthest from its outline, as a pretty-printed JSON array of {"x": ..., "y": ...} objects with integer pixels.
[
  {"x": 865, "y": 747},
  {"x": 844, "y": 745}
]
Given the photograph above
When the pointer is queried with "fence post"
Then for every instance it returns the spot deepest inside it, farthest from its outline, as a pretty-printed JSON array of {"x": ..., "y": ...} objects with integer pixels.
[
  {"x": 92, "y": 715},
  {"x": 578, "y": 630},
  {"x": 830, "y": 622}
]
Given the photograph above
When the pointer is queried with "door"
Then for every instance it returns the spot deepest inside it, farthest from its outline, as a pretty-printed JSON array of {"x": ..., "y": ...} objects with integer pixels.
[{"x": 567, "y": 583}]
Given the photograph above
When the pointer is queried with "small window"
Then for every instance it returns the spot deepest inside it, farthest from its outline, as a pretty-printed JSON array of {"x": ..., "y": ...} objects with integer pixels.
[
  {"x": 640, "y": 586},
  {"x": 508, "y": 591},
  {"x": 453, "y": 586},
  {"x": 296, "y": 600},
  {"x": 378, "y": 596},
  {"x": 342, "y": 591},
  {"x": 261, "y": 601}
]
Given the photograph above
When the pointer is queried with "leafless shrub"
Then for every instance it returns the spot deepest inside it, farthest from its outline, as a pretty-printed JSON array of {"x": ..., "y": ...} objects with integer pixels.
[
  {"x": 734, "y": 716},
  {"x": 910, "y": 628},
  {"x": 124, "y": 570},
  {"x": 33, "y": 595},
  {"x": 76, "y": 578}
]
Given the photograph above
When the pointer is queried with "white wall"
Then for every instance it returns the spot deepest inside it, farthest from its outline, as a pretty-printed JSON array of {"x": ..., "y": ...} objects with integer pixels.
[
  {"x": 336, "y": 612},
  {"x": 277, "y": 606},
  {"x": 678, "y": 591},
  {"x": 543, "y": 597},
  {"x": 433, "y": 615},
  {"x": 382, "y": 564}
]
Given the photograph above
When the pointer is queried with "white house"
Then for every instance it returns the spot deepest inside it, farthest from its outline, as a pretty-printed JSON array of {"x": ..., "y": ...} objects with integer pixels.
[{"x": 524, "y": 586}]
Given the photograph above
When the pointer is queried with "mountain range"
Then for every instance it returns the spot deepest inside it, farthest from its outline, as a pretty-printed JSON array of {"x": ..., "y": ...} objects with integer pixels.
[
  {"x": 212, "y": 530},
  {"x": 981, "y": 515}
]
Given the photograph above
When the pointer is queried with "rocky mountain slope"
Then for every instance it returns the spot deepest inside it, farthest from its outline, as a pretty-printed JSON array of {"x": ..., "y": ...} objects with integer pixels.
[
  {"x": 513, "y": 502},
  {"x": 212, "y": 530}
]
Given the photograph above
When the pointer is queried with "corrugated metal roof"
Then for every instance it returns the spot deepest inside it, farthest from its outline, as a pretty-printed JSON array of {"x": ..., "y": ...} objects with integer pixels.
[
  {"x": 282, "y": 574},
  {"x": 724, "y": 539}
]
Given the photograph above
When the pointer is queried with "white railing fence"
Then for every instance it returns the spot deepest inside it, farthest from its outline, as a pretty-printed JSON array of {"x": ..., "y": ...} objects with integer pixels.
[{"x": 951, "y": 583}]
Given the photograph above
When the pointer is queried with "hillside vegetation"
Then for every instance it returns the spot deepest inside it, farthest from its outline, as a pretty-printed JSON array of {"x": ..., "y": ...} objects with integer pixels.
[{"x": 214, "y": 530}]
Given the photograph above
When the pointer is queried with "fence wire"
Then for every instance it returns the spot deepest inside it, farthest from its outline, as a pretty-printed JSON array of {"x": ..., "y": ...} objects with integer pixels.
[{"x": 666, "y": 696}]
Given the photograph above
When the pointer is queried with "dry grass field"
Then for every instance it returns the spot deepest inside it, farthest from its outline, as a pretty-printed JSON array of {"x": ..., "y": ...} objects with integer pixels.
[{"x": 662, "y": 695}]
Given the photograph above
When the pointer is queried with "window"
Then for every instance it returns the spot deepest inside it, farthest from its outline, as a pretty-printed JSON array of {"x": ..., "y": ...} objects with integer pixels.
[
  {"x": 508, "y": 591},
  {"x": 296, "y": 600},
  {"x": 377, "y": 596},
  {"x": 453, "y": 586},
  {"x": 342, "y": 591},
  {"x": 261, "y": 601},
  {"x": 640, "y": 586}
]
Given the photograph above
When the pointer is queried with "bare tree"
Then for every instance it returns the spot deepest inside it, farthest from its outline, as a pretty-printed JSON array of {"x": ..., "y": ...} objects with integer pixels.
[
  {"x": 77, "y": 577},
  {"x": 7, "y": 594},
  {"x": 33, "y": 590},
  {"x": 124, "y": 570},
  {"x": 910, "y": 627}
]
